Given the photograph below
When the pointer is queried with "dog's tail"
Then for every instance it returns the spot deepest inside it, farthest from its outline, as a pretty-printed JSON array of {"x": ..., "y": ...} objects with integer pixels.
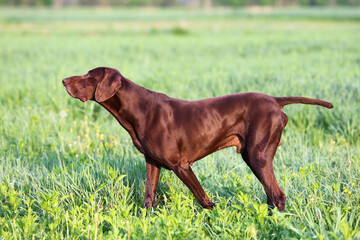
[{"x": 282, "y": 101}]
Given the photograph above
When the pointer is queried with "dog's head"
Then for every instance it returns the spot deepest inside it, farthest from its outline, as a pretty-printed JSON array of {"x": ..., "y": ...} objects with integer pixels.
[{"x": 98, "y": 84}]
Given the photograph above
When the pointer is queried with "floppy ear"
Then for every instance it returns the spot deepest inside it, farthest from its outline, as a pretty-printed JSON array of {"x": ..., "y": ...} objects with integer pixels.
[{"x": 107, "y": 87}]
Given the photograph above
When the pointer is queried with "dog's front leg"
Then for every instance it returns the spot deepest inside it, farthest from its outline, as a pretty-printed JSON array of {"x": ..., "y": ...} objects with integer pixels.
[
  {"x": 185, "y": 173},
  {"x": 152, "y": 173}
]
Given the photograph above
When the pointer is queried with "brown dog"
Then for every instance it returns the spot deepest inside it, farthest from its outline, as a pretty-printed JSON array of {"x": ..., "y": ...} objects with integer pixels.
[{"x": 174, "y": 133}]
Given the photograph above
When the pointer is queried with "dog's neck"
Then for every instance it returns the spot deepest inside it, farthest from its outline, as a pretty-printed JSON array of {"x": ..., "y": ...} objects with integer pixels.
[{"x": 123, "y": 103}]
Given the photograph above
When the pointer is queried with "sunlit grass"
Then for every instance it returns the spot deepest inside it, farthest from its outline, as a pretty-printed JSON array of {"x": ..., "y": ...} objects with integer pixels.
[{"x": 68, "y": 169}]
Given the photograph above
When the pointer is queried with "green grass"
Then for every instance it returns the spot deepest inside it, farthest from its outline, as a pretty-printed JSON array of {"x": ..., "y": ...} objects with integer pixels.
[{"x": 68, "y": 169}]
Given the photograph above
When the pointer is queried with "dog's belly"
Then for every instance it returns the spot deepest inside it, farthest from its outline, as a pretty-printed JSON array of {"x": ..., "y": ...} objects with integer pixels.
[
  {"x": 170, "y": 152},
  {"x": 230, "y": 142}
]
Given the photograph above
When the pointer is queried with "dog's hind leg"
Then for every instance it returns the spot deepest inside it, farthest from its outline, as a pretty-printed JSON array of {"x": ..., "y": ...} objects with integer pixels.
[{"x": 259, "y": 154}]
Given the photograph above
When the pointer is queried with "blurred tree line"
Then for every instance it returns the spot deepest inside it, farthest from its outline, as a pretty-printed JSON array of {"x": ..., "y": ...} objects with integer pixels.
[{"x": 191, "y": 3}]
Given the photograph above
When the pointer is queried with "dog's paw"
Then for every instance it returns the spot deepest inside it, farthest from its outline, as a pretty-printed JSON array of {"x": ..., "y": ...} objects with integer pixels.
[
  {"x": 280, "y": 206},
  {"x": 148, "y": 204},
  {"x": 209, "y": 205}
]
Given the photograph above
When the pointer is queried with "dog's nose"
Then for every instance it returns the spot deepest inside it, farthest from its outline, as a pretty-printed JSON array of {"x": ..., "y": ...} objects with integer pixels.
[{"x": 64, "y": 81}]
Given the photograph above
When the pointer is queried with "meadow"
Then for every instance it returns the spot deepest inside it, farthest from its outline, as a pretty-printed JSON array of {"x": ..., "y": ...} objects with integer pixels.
[{"x": 69, "y": 171}]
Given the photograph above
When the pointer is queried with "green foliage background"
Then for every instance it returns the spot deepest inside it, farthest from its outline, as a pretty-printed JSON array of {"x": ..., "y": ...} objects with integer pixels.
[
  {"x": 68, "y": 169},
  {"x": 172, "y": 3}
]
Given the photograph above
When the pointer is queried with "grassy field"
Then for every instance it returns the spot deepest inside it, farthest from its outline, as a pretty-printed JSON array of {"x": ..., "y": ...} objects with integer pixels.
[{"x": 68, "y": 169}]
